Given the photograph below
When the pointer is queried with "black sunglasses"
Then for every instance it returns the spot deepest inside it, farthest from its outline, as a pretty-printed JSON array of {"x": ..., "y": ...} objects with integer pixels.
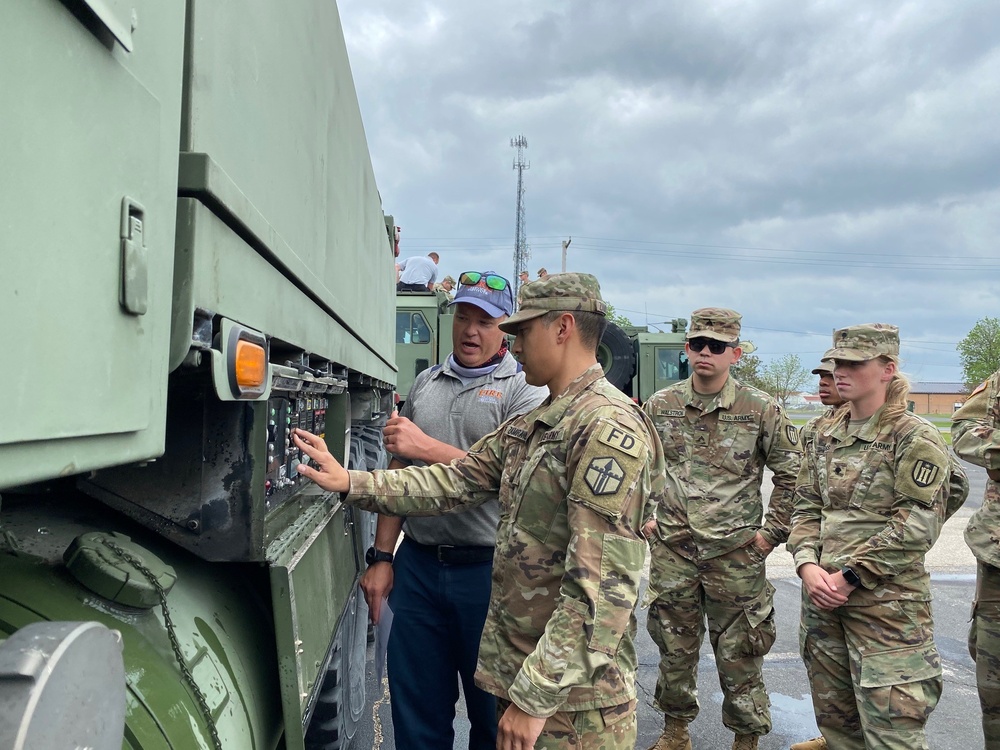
[
  {"x": 492, "y": 281},
  {"x": 714, "y": 346}
]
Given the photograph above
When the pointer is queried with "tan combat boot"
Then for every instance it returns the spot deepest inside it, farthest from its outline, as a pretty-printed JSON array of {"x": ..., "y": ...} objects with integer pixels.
[
  {"x": 675, "y": 735},
  {"x": 815, "y": 744},
  {"x": 745, "y": 742}
]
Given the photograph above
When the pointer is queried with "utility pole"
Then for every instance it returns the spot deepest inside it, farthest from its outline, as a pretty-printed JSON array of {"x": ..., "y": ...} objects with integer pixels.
[
  {"x": 521, "y": 252},
  {"x": 565, "y": 244}
]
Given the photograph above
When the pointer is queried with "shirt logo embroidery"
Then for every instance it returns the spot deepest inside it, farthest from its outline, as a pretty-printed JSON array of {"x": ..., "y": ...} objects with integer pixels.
[
  {"x": 924, "y": 473},
  {"x": 604, "y": 476},
  {"x": 490, "y": 395}
]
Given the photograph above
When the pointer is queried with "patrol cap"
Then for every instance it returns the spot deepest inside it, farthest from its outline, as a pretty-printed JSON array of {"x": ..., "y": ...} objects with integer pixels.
[
  {"x": 496, "y": 303},
  {"x": 719, "y": 323},
  {"x": 825, "y": 367},
  {"x": 571, "y": 292},
  {"x": 864, "y": 342}
]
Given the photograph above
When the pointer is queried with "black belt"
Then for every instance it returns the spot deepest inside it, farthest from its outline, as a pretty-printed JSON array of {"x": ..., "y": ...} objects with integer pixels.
[{"x": 450, "y": 554}]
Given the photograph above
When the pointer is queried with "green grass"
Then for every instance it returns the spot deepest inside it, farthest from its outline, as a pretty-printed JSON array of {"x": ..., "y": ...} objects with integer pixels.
[{"x": 941, "y": 421}]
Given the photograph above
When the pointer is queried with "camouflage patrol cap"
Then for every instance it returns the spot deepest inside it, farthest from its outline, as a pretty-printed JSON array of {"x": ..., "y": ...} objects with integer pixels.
[
  {"x": 825, "y": 367},
  {"x": 717, "y": 323},
  {"x": 571, "y": 292},
  {"x": 864, "y": 342}
]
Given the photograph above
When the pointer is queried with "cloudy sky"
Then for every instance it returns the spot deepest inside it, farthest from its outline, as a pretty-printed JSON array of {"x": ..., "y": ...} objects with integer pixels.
[{"x": 812, "y": 164}]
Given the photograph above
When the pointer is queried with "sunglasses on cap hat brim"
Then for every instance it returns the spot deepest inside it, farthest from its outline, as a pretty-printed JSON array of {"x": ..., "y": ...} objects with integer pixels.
[{"x": 490, "y": 280}]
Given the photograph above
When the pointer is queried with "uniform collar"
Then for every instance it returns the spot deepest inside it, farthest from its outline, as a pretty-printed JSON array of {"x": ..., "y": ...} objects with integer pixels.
[
  {"x": 839, "y": 429},
  {"x": 724, "y": 399}
]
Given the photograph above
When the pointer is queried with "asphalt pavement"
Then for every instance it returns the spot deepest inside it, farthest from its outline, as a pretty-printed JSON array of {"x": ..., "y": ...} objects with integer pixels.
[{"x": 954, "y": 725}]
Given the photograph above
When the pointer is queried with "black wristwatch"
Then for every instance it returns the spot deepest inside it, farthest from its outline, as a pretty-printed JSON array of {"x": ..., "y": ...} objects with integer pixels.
[
  {"x": 850, "y": 576},
  {"x": 376, "y": 555}
]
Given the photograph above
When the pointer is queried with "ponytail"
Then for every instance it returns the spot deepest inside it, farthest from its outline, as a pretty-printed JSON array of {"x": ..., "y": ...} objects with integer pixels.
[{"x": 896, "y": 393}]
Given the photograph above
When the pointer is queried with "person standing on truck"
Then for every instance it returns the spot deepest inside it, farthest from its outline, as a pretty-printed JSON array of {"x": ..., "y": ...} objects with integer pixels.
[
  {"x": 573, "y": 474},
  {"x": 870, "y": 501},
  {"x": 417, "y": 273},
  {"x": 440, "y": 577},
  {"x": 447, "y": 285},
  {"x": 524, "y": 281},
  {"x": 708, "y": 546},
  {"x": 976, "y": 438}
]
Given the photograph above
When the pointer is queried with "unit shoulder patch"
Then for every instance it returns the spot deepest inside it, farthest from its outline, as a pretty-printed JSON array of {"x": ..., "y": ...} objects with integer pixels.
[
  {"x": 922, "y": 470},
  {"x": 792, "y": 434},
  {"x": 924, "y": 473},
  {"x": 604, "y": 475}
]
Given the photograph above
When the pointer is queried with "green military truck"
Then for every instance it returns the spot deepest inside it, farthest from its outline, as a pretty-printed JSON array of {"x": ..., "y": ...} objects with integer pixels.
[
  {"x": 195, "y": 261},
  {"x": 636, "y": 361},
  {"x": 423, "y": 335},
  {"x": 639, "y": 362}
]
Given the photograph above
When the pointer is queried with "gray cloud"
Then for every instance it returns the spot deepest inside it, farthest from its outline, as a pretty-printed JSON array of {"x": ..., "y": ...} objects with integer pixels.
[{"x": 829, "y": 163}]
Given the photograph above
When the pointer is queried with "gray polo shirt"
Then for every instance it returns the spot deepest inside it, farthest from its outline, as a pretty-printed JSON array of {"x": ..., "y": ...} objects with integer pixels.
[
  {"x": 459, "y": 414},
  {"x": 420, "y": 269}
]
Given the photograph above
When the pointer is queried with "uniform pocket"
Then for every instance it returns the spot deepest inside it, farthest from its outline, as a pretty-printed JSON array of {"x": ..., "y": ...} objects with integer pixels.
[
  {"x": 735, "y": 446},
  {"x": 541, "y": 491},
  {"x": 901, "y": 686},
  {"x": 753, "y": 633}
]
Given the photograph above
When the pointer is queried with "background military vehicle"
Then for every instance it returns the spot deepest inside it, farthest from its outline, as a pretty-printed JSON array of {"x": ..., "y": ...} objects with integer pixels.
[
  {"x": 195, "y": 261},
  {"x": 636, "y": 361}
]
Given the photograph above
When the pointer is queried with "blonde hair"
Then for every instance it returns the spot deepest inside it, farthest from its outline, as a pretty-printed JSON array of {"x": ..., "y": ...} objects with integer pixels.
[{"x": 896, "y": 393}]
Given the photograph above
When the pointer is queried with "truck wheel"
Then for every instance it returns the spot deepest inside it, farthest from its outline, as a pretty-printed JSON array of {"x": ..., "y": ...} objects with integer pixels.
[
  {"x": 341, "y": 700},
  {"x": 616, "y": 357}
]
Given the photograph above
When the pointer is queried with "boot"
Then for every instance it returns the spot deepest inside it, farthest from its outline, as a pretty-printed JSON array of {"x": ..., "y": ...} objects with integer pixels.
[
  {"x": 745, "y": 742},
  {"x": 675, "y": 735},
  {"x": 816, "y": 744}
]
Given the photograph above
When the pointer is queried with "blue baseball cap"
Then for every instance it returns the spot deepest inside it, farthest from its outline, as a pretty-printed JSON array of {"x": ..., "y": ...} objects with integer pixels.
[{"x": 496, "y": 303}]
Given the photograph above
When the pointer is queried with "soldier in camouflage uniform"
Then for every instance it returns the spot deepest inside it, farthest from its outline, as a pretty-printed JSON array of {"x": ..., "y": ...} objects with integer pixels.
[
  {"x": 869, "y": 503},
  {"x": 976, "y": 438},
  {"x": 709, "y": 545},
  {"x": 572, "y": 475}
]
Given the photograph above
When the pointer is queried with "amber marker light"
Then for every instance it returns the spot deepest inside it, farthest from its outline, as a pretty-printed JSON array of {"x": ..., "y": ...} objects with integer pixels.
[{"x": 251, "y": 365}]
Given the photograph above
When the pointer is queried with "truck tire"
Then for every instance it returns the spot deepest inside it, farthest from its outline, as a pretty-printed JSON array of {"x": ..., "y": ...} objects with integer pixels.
[
  {"x": 616, "y": 357},
  {"x": 341, "y": 700}
]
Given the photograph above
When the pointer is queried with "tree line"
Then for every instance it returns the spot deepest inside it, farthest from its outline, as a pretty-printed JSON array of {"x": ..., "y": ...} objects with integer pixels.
[{"x": 979, "y": 353}]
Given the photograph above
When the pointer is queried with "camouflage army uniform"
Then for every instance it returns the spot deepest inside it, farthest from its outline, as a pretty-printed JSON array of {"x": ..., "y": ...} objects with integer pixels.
[
  {"x": 975, "y": 438},
  {"x": 871, "y": 498},
  {"x": 703, "y": 563},
  {"x": 572, "y": 475}
]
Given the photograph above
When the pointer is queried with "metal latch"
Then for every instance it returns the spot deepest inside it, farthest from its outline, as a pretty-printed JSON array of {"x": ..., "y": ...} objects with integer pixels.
[{"x": 134, "y": 294}]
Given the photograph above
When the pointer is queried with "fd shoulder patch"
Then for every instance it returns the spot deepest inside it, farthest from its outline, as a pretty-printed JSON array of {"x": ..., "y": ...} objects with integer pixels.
[{"x": 608, "y": 467}]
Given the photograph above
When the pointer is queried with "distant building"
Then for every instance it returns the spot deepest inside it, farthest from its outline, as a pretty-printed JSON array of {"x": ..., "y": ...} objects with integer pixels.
[{"x": 937, "y": 398}]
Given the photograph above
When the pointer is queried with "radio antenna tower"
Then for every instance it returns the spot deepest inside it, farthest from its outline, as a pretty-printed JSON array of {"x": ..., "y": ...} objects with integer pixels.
[{"x": 521, "y": 252}]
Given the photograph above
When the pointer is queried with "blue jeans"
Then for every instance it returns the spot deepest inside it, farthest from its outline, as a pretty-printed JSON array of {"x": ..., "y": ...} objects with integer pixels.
[{"x": 438, "y": 615}]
